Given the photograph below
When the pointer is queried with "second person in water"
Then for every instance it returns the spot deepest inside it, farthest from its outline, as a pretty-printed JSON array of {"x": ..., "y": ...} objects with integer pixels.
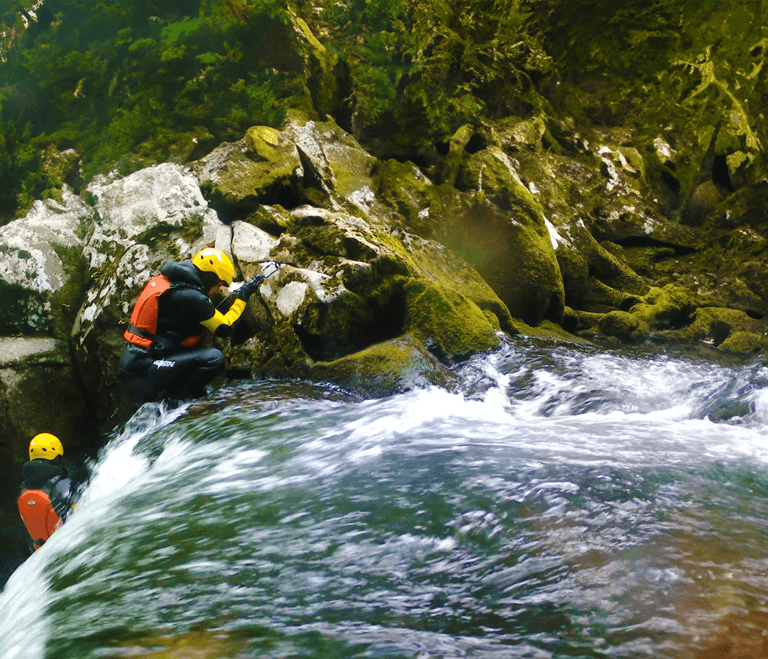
[{"x": 162, "y": 358}]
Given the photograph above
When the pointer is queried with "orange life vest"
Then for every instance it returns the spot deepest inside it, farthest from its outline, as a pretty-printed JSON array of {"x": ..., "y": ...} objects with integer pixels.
[
  {"x": 143, "y": 328},
  {"x": 38, "y": 515}
]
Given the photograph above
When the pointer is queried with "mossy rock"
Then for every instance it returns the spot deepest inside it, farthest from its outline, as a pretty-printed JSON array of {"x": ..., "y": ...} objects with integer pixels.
[
  {"x": 525, "y": 134},
  {"x": 601, "y": 298},
  {"x": 385, "y": 368},
  {"x": 745, "y": 207},
  {"x": 636, "y": 222},
  {"x": 332, "y": 160},
  {"x": 703, "y": 201},
  {"x": 716, "y": 324},
  {"x": 404, "y": 188},
  {"x": 735, "y": 293},
  {"x": 745, "y": 342},
  {"x": 447, "y": 322},
  {"x": 262, "y": 143},
  {"x": 511, "y": 251},
  {"x": 456, "y": 152},
  {"x": 272, "y": 219},
  {"x": 574, "y": 269},
  {"x": 448, "y": 271},
  {"x": 668, "y": 308},
  {"x": 607, "y": 266},
  {"x": 624, "y": 326},
  {"x": 492, "y": 173},
  {"x": 585, "y": 320},
  {"x": 237, "y": 177},
  {"x": 546, "y": 330},
  {"x": 633, "y": 162}
]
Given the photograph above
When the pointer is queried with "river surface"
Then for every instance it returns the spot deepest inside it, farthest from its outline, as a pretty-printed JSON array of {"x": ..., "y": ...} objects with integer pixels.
[{"x": 559, "y": 503}]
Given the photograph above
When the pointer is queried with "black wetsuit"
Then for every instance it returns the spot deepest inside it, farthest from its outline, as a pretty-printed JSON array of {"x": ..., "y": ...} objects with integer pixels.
[{"x": 167, "y": 369}]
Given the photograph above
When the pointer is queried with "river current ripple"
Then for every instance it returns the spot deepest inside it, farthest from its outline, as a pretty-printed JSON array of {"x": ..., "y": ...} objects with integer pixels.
[{"x": 560, "y": 503}]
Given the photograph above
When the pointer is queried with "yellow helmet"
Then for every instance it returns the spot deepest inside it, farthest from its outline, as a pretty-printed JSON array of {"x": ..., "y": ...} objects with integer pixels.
[
  {"x": 45, "y": 446},
  {"x": 214, "y": 260}
]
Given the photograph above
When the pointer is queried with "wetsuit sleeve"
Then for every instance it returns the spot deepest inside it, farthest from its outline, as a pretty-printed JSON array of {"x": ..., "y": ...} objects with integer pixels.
[
  {"x": 61, "y": 497},
  {"x": 220, "y": 324}
]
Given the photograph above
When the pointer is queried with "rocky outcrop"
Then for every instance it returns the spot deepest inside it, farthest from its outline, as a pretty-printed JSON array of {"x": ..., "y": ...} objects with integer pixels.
[
  {"x": 390, "y": 273},
  {"x": 139, "y": 223},
  {"x": 39, "y": 267}
]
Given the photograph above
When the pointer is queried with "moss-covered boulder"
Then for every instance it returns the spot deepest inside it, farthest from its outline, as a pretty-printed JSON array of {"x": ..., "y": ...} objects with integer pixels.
[
  {"x": 624, "y": 326},
  {"x": 668, "y": 308},
  {"x": 405, "y": 189},
  {"x": 353, "y": 285},
  {"x": 260, "y": 168},
  {"x": 307, "y": 162},
  {"x": 607, "y": 266},
  {"x": 601, "y": 298},
  {"x": 447, "y": 321},
  {"x": 332, "y": 160},
  {"x": 714, "y": 325},
  {"x": 514, "y": 255},
  {"x": 745, "y": 343},
  {"x": 574, "y": 268},
  {"x": 385, "y": 368}
]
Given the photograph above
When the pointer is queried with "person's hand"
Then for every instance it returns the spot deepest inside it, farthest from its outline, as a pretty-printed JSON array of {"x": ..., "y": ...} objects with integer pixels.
[{"x": 249, "y": 288}]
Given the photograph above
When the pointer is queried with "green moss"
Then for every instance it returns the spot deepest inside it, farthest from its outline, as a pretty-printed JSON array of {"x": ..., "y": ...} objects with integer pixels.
[
  {"x": 67, "y": 301},
  {"x": 745, "y": 342},
  {"x": 512, "y": 251},
  {"x": 242, "y": 183},
  {"x": 546, "y": 330},
  {"x": 273, "y": 219},
  {"x": 403, "y": 187},
  {"x": 262, "y": 143},
  {"x": 384, "y": 368},
  {"x": 327, "y": 240},
  {"x": 624, "y": 326},
  {"x": 716, "y": 324},
  {"x": 351, "y": 165},
  {"x": 601, "y": 298},
  {"x": 670, "y": 307},
  {"x": 585, "y": 320},
  {"x": 446, "y": 321}
]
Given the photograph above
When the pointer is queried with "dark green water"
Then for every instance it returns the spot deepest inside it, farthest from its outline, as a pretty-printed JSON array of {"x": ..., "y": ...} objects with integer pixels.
[{"x": 562, "y": 504}]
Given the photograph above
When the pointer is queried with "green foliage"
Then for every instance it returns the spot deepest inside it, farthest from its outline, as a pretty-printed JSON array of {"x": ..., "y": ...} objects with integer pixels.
[
  {"x": 614, "y": 36},
  {"x": 131, "y": 82},
  {"x": 433, "y": 66},
  {"x": 127, "y": 83},
  {"x": 173, "y": 31},
  {"x": 17, "y": 161}
]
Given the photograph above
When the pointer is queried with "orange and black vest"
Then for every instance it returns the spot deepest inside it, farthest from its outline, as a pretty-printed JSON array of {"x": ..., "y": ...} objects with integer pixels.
[
  {"x": 143, "y": 328},
  {"x": 37, "y": 513}
]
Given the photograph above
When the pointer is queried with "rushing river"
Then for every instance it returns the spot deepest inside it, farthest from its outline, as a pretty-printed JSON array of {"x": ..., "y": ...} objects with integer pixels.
[{"x": 561, "y": 503}]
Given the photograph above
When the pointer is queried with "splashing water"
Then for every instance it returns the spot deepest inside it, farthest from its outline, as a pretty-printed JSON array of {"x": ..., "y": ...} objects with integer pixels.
[{"x": 560, "y": 503}]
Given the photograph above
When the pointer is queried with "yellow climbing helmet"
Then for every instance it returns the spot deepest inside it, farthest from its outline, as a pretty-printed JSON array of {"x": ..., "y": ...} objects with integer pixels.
[
  {"x": 214, "y": 260},
  {"x": 45, "y": 446}
]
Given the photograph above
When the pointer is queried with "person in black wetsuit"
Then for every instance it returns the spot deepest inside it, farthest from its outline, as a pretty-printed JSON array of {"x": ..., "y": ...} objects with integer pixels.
[
  {"x": 48, "y": 491},
  {"x": 163, "y": 358}
]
